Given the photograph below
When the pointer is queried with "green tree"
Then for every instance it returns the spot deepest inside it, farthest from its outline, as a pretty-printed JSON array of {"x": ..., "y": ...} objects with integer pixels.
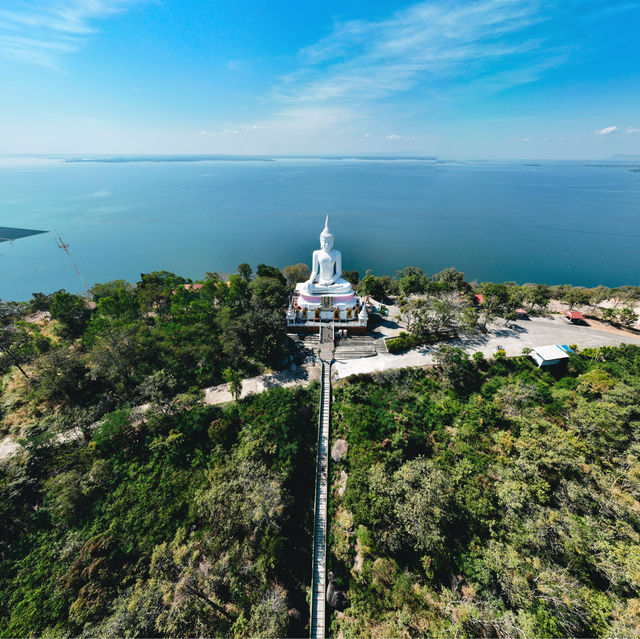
[
  {"x": 273, "y": 272},
  {"x": 110, "y": 289},
  {"x": 63, "y": 376},
  {"x": 72, "y": 313},
  {"x": 245, "y": 272},
  {"x": 234, "y": 379},
  {"x": 353, "y": 277},
  {"x": 64, "y": 496},
  {"x": 243, "y": 498},
  {"x": 444, "y": 313},
  {"x": 457, "y": 369},
  {"x": 154, "y": 290},
  {"x": 537, "y": 294},
  {"x": 516, "y": 295},
  {"x": 296, "y": 273},
  {"x": 40, "y": 302},
  {"x": 268, "y": 292},
  {"x": 373, "y": 286},
  {"x": 423, "y": 506},
  {"x": 453, "y": 279},
  {"x": 121, "y": 357},
  {"x": 19, "y": 345},
  {"x": 410, "y": 284},
  {"x": 600, "y": 294},
  {"x": 496, "y": 298},
  {"x": 417, "y": 315},
  {"x": 577, "y": 297},
  {"x": 627, "y": 317}
]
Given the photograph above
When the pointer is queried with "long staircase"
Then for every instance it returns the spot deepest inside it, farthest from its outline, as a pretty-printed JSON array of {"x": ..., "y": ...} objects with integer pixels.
[{"x": 318, "y": 590}]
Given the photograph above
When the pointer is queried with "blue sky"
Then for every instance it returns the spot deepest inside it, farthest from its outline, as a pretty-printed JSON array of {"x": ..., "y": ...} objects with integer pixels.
[{"x": 455, "y": 79}]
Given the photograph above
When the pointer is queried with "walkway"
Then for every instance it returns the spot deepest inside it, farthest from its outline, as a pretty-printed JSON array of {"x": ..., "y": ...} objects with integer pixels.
[
  {"x": 318, "y": 588},
  {"x": 220, "y": 394}
]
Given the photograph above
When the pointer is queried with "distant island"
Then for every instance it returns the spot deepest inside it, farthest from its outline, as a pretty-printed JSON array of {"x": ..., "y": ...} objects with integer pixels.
[{"x": 243, "y": 158}]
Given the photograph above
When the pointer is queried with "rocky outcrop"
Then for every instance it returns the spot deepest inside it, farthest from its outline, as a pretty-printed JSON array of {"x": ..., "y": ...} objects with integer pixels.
[
  {"x": 339, "y": 450},
  {"x": 335, "y": 598},
  {"x": 342, "y": 483}
]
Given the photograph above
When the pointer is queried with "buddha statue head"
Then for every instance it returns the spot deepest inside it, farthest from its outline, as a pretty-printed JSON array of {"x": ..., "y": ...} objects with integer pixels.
[{"x": 326, "y": 239}]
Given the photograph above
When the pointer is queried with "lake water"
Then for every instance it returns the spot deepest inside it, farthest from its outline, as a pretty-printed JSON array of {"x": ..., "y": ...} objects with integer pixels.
[{"x": 553, "y": 222}]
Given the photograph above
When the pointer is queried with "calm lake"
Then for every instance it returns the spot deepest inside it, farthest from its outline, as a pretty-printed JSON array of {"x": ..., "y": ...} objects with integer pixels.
[{"x": 553, "y": 222}]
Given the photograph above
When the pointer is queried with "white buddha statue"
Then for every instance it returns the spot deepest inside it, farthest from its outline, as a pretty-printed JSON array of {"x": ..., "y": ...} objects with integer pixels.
[
  {"x": 326, "y": 296},
  {"x": 326, "y": 269}
]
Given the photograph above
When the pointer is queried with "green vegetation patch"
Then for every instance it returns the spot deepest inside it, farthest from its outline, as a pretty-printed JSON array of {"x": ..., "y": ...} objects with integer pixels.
[
  {"x": 489, "y": 498},
  {"x": 175, "y": 522}
]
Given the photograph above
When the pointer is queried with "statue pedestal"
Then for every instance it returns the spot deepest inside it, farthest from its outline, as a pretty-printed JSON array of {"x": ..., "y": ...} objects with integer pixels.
[{"x": 345, "y": 311}]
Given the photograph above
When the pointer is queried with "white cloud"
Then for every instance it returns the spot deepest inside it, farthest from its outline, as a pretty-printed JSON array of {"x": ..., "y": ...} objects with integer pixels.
[
  {"x": 608, "y": 130},
  {"x": 631, "y": 129},
  {"x": 365, "y": 59},
  {"x": 43, "y": 32},
  {"x": 394, "y": 137},
  {"x": 226, "y": 133},
  {"x": 525, "y": 139}
]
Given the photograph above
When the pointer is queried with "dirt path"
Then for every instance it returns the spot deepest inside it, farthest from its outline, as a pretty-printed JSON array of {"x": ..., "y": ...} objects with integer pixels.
[
  {"x": 8, "y": 447},
  {"x": 301, "y": 377}
]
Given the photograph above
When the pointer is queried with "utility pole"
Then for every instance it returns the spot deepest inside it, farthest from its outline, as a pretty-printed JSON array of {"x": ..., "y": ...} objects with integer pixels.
[{"x": 65, "y": 248}]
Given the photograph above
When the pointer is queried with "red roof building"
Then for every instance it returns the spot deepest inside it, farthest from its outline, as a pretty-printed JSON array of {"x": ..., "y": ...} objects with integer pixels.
[
  {"x": 479, "y": 298},
  {"x": 574, "y": 316}
]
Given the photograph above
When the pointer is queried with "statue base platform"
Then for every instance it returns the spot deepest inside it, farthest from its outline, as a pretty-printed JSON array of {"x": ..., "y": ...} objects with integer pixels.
[
  {"x": 325, "y": 302},
  {"x": 342, "y": 310}
]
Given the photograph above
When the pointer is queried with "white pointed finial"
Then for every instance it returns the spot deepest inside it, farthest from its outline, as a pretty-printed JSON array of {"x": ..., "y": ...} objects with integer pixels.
[{"x": 325, "y": 231}]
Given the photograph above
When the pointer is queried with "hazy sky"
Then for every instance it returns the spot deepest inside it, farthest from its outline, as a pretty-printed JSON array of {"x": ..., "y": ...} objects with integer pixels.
[{"x": 488, "y": 78}]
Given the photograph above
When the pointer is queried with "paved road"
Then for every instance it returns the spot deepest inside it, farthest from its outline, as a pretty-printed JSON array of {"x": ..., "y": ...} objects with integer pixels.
[{"x": 538, "y": 331}]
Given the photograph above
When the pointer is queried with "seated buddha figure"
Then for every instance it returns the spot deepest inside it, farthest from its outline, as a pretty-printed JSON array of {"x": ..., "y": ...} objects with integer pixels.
[{"x": 326, "y": 269}]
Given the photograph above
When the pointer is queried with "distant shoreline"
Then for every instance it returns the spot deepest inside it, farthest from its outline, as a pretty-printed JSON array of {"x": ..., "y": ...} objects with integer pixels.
[{"x": 610, "y": 162}]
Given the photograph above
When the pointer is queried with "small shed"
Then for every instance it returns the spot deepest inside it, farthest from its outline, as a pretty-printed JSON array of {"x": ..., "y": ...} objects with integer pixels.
[
  {"x": 574, "y": 317},
  {"x": 549, "y": 355},
  {"x": 479, "y": 298},
  {"x": 521, "y": 313}
]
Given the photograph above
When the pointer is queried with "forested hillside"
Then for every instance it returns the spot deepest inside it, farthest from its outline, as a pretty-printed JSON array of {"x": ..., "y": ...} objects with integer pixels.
[
  {"x": 480, "y": 498},
  {"x": 135, "y": 510},
  {"x": 486, "y": 498},
  {"x": 186, "y": 521}
]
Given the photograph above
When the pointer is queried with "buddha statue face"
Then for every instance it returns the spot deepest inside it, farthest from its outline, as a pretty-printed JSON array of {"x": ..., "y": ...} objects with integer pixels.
[{"x": 326, "y": 242}]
